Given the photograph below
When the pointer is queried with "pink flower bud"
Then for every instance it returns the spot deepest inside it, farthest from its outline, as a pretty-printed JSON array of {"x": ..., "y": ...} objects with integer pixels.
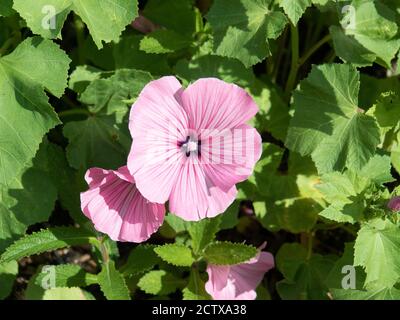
[
  {"x": 144, "y": 25},
  {"x": 394, "y": 204}
]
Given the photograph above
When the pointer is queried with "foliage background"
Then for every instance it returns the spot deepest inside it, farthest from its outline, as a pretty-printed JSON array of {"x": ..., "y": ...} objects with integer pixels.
[{"x": 326, "y": 80}]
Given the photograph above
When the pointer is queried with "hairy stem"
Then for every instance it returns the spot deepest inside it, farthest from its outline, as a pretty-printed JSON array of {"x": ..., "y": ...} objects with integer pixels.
[
  {"x": 313, "y": 49},
  {"x": 295, "y": 61},
  {"x": 73, "y": 112}
]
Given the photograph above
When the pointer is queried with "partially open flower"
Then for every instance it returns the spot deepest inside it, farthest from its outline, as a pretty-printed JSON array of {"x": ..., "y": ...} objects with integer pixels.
[
  {"x": 117, "y": 208},
  {"x": 394, "y": 204},
  {"x": 238, "y": 282}
]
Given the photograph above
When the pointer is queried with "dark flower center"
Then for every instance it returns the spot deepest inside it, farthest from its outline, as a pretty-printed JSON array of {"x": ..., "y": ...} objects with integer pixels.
[{"x": 190, "y": 145}]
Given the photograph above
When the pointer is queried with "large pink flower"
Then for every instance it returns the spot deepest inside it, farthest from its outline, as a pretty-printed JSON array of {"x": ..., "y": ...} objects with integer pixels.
[
  {"x": 192, "y": 146},
  {"x": 117, "y": 208},
  {"x": 238, "y": 282}
]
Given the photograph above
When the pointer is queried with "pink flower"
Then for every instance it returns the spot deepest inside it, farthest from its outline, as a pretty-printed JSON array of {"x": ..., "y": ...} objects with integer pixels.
[
  {"x": 192, "y": 146},
  {"x": 394, "y": 204},
  {"x": 117, "y": 208},
  {"x": 238, "y": 282}
]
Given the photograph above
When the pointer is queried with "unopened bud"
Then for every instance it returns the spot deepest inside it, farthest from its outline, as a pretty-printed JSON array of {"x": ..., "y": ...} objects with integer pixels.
[{"x": 394, "y": 204}]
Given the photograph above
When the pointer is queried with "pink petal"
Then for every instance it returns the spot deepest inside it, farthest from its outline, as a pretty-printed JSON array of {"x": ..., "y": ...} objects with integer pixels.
[
  {"x": 230, "y": 156},
  {"x": 124, "y": 174},
  {"x": 117, "y": 208},
  {"x": 214, "y": 104},
  {"x": 95, "y": 176},
  {"x": 217, "y": 282},
  {"x": 249, "y": 275},
  {"x": 157, "y": 122},
  {"x": 238, "y": 282},
  {"x": 193, "y": 197}
]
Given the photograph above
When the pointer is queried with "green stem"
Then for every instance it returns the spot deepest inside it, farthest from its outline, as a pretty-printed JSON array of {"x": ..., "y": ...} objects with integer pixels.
[
  {"x": 314, "y": 48},
  {"x": 331, "y": 57},
  {"x": 104, "y": 252},
  {"x": 280, "y": 52},
  {"x": 306, "y": 240},
  {"x": 310, "y": 245},
  {"x": 295, "y": 61},
  {"x": 73, "y": 112}
]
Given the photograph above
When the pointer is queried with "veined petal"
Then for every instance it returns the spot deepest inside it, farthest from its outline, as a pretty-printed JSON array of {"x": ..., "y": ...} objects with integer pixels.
[
  {"x": 228, "y": 157},
  {"x": 238, "y": 282},
  {"x": 194, "y": 197},
  {"x": 157, "y": 122},
  {"x": 211, "y": 103},
  {"x": 117, "y": 208}
]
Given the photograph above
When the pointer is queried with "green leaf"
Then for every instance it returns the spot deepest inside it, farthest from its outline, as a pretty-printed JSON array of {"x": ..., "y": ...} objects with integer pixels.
[
  {"x": 176, "y": 223},
  {"x": 395, "y": 156},
  {"x": 229, "y": 70},
  {"x": 141, "y": 259},
  {"x": 8, "y": 274},
  {"x": 176, "y": 254},
  {"x": 387, "y": 110},
  {"x": 379, "y": 294},
  {"x": 104, "y": 19},
  {"x": 175, "y": 15},
  {"x": 346, "y": 201},
  {"x": 346, "y": 192},
  {"x": 158, "y": 282},
  {"x": 24, "y": 103},
  {"x": 164, "y": 41},
  {"x": 103, "y": 139},
  {"x": 81, "y": 77},
  {"x": 370, "y": 32},
  {"x": 203, "y": 232},
  {"x": 100, "y": 58},
  {"x": 66, "y": 275},
  {"x": 372, "y": 88},
  {"x": 349, "y": 49},
  {"x": 228, "y": 253},
  {"x": 287, "y": 201},
  {"x": 377, "y": 170},
  {"x": 195, "y": 289},
  {"x": 376, "y": 249},
  {"x": 95, "y": 142},
  {"x": 328, "y": 124},
  {"x": 294, "y": 9},
  {"x": 304, "y": 277},
  {"x": 28, "y": 199},
  {"x": 34, "y": 291},
  {"x": 127, "y": 54},
  {"x": 6, "y": 8},
  {"x": 45, "y": 240},
  {"x": 64, "y": 179},
  {"x": 242, "y": 28},
  {"x": 112, "y": 283},
  {"x": 229, "y": 218},
  {"x": 67, "y": 294},
  {"x": 336, "y": 275}
]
